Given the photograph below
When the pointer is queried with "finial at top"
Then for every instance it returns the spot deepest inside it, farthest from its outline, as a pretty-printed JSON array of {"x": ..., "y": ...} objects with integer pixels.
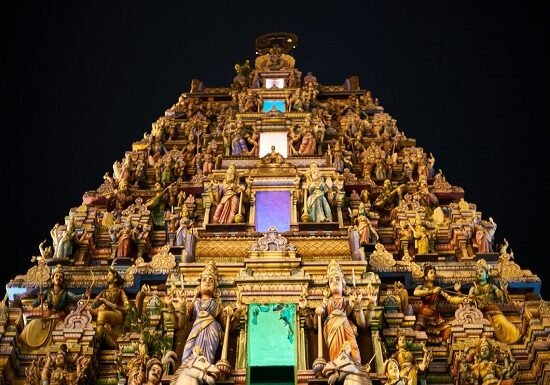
[{"x": 286, "y": 41}]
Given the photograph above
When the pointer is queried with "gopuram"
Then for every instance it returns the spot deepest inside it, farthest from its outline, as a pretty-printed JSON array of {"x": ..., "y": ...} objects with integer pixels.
[{"x": 276, "y": 230}]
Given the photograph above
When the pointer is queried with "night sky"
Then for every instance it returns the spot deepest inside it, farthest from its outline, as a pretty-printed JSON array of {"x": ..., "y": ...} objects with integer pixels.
[{"x": 81, "y": 82}]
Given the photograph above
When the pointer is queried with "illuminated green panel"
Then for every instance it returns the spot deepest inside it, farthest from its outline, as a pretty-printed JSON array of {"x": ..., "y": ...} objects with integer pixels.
[{"x": 271, "y": 339}]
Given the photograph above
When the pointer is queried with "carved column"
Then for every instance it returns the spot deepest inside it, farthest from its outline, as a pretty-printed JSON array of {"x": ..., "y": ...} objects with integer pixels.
[
  {"x": 207, "y": 205},
  {"x": 377, "y": 346},
  {"x": 294, "y": 211},
  {"x": 240, "y": 363},
  {"x": 339, "y": 202},
  {"x": 252, "y": 213},
  {"x": 301, "y": 341}
]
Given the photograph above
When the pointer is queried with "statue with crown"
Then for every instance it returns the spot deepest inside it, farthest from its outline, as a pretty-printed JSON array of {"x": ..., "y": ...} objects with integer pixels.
[
  {"x": 53, "y": 304},
  {"x": 208, "y": 316}
]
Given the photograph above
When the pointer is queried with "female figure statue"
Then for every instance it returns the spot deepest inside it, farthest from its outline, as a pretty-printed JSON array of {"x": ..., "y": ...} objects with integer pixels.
[
  {"x": 364, "y": 226},
  {"x": 206, "y": 311},
  {"x": 56, "y": 369},
  {"x": 309, "y": 143},
  {"x": 317, "y": 204},
  {"x": 228, "y": 206},
  {"x": 185, "y": 239},
  {"x": 63, "y": 245},
  {"x": 339, "y": 312}
]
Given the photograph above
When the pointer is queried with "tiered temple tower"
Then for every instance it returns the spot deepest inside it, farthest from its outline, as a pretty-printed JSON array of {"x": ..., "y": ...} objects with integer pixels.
[{"x": 277, "y": 230}]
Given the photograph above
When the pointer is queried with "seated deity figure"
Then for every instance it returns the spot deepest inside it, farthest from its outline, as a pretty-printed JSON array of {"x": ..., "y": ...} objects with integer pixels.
[
  {"x": 37, "y": 332},
  {"x": 113, "y": 305},
  {"x": 342, "y": 314},
  {"x": 387, "y": 201},
  {"x": 488, "y": 298},
  {"x": 317, "y": 204}
]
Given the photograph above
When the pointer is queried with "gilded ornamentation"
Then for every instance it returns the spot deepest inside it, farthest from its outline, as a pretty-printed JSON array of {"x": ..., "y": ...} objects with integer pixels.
[
  {"x": 507, "y": 268},
  {"x": 468, "y": 313},
  {"x": 163, "y": 260},
  {"x": 273, "y": 241},
  {"x": 381, "y": 258},
  {"x": 39, "y": 273}
]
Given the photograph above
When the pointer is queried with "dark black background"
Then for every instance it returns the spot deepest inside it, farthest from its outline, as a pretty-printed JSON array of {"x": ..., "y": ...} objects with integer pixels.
[{"x": 81, "y": 82}]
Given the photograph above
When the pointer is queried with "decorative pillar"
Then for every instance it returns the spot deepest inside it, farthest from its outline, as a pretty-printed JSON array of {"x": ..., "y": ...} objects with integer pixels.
[{"x": 207, "y": 205}]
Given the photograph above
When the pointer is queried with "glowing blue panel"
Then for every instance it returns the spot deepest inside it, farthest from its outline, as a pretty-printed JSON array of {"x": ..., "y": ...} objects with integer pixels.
[
  {"x": 278, "y": 104},
  {"x": 272, "y": 209}
]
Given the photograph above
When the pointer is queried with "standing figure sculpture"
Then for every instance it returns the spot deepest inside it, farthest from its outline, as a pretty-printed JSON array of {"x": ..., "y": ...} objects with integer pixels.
[
  {"x": 38, "y": 332},
  {"x": 207, "y": 312},
  {"x": 124, "y": 239},
  {"x": 228, "y": 205},
  {"x": 114, "y": 305},
  {"x": 56, "y": 369},
  {"x": 366, "y": 231},
  {"x": 317, "y": 204},
  {"x": 488, "y": 297},
  {"x": 63, "y": 245},
  {"x": 408, "y": 368},
  {"x": 428, "y": 317},
  {"x": 186, "y": 239},
  {"x": 309, "y": 143},
  {"x": 339, "y": 312}
]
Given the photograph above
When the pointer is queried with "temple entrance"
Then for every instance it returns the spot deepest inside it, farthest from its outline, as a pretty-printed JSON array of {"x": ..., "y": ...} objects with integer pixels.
[{"x": 271, "y": 344}]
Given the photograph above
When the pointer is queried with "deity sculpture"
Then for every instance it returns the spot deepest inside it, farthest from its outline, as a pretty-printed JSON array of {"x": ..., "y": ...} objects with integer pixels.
[
  {"x": 228, "y": 205},
  {"x": 58, "y": 370},
  {"x": 386, "y": 202},
  {"x": 317, "y": 204},
  {"x": 408, "y": 368},
  {"x": 341, "y": 313},
  {"x": 38, "y": 331},
  {"x": 366, "y": 231},
  {"x": 308, "y": 146},
  {"x": 63, "y": 245},
  {"x": 113, "y": 305},
  {"x": 481, "y": 367},
  {"x": 185, "y": 239},
  {"x": 206, "y": 311},
  {"x": 428, "y": 317},
  {"x": 488, "y": 297}
]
